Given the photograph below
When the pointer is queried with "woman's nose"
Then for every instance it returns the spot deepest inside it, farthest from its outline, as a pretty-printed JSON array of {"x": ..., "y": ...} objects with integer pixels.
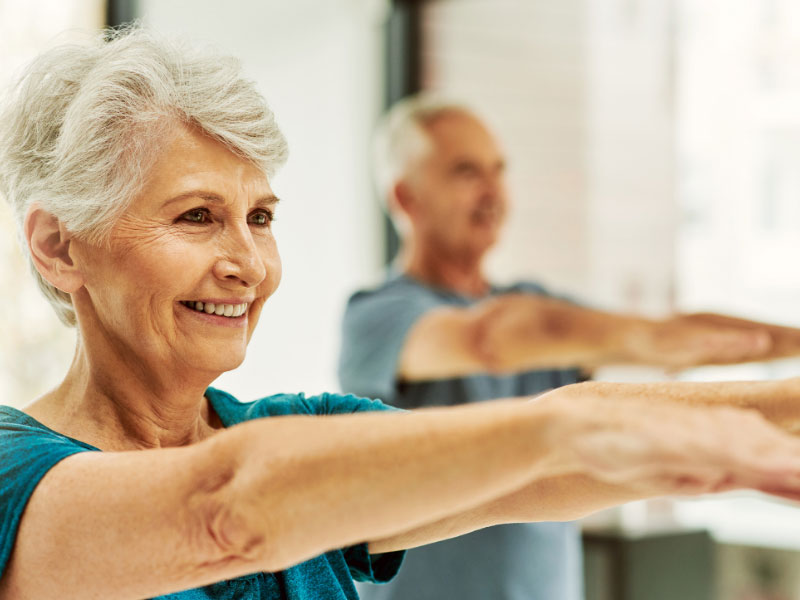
[{"x": 240, "y": 258}]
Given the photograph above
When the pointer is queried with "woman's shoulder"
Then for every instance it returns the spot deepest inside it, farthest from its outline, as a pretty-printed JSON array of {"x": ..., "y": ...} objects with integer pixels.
[
  {"x": 26, "y": 445},
  {"x": 17, "y": 427},
  {"x": 231, "y": 410},
  {"x": 28, "y": 450}
]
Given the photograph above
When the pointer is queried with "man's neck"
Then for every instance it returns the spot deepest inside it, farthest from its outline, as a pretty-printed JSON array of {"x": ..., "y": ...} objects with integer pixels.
[{"x": 460, "y": 274}]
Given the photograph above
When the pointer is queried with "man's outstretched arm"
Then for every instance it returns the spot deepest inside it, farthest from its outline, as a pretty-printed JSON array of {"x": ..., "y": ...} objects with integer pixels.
[{"x": 518, "y": 332}]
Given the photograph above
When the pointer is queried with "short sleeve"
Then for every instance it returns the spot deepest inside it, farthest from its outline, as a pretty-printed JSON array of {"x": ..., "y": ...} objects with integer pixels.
[
  {"x": 374, "y": 568},
  {"x": 374, "y": 331},
  {"x": 339, "y": 404},
  {"x": 531, "y": 287},
  {"x": 363, "y": 566},
  {"x": 27, "y": 453}
]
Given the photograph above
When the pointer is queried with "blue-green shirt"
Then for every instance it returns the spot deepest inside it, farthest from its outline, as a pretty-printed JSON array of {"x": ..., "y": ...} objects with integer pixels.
[{"x": 28, "y": 450}]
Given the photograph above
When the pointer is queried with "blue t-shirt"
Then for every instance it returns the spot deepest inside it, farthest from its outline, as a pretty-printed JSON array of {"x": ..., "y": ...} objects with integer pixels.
[
  {"x": 28, "y": 450},
  {"x": 532, "y": 561}
]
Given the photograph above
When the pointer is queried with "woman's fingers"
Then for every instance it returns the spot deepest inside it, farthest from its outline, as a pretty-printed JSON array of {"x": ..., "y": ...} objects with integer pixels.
[{"x": 680, "y": 450}]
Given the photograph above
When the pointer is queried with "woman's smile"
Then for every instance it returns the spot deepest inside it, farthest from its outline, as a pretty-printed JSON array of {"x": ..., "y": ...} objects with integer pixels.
[{"x": 225, "y": 313}]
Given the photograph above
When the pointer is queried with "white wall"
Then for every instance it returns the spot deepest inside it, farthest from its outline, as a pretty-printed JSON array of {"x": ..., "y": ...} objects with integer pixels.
[
  {"x": 579, "y": 92},
  {"x": 319, "y": 66},
  {"x": 522, "y": 64},
  {"x": 630, "y": 154},
  {"x": 35, "y": 348}
]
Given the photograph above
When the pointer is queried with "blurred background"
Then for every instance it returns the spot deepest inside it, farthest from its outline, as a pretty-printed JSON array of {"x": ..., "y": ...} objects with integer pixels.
[{"x": 653, "y": 146}]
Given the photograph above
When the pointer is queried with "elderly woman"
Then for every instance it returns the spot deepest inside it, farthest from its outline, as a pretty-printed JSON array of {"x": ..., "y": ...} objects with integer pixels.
[{"x": 139, "y": 171}]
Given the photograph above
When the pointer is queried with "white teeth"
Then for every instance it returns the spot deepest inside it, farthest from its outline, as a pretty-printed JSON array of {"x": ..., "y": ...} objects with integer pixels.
[{"x": 226, "y": 310}]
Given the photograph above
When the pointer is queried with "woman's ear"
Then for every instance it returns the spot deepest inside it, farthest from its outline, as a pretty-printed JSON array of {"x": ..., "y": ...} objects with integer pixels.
[{"x": 49, "y": 245}]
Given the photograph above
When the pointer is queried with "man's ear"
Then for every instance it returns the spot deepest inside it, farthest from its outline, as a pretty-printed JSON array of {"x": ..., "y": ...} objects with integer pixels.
[
  {"x": 49, "y": 244},
  {"x": 403, "y": 197}
]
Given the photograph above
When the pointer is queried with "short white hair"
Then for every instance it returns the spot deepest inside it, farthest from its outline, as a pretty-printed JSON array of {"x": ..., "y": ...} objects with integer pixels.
[
  {"x": 401, "y": 137},
  {"x": 82, "y": 126}
]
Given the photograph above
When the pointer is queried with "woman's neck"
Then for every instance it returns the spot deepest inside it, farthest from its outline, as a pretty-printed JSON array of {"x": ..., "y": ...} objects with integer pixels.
[{"x": 120, "y": 409}]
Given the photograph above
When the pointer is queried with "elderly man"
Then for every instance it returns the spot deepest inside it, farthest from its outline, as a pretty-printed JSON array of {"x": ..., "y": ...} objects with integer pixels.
[{"x": 439, "y": 332}]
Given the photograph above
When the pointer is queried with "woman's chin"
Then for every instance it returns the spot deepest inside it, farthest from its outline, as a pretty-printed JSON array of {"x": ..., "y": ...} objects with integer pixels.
[{"x": 219, "y": 362}]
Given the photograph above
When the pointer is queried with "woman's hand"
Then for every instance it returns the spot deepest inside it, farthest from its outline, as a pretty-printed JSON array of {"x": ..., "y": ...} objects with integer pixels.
[
  {"x": 783, "y": 407},
  {"x": 666, "y": 448}
]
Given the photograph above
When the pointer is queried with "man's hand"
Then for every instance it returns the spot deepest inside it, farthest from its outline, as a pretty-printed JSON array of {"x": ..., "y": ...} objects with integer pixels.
[
  {"x": 785, "y": 341},
  {"x": 693, "y": 340}
]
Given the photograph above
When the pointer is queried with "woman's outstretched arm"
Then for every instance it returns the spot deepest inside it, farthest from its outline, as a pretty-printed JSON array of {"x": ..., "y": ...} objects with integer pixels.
[
  {"x": 263, "y": 496},
  {"x": 636, "y": 424},
  {"x": 270, "y": 493}
]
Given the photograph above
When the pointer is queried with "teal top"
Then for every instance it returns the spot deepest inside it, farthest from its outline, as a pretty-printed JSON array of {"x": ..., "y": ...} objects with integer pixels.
[{"x": 28, "y": 450}]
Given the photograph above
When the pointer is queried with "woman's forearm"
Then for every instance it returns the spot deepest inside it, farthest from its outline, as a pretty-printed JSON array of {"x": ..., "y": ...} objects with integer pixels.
[
  {"x": 778, "y": 400},
  {"x": 560, "y": 498}
]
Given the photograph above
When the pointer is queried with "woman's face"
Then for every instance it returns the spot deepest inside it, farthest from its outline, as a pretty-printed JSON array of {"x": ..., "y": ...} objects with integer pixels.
[{"x": 190, "y": 263}]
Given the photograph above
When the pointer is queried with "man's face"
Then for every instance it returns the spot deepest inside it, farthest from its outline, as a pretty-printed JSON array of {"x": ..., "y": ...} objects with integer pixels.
[{"x": 458, "y": 199}]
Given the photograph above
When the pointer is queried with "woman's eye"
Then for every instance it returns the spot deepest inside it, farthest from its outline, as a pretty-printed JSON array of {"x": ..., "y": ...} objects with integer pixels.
[
  {"x": 262, "y": 217},
  {"x": 196, "y": 215}
]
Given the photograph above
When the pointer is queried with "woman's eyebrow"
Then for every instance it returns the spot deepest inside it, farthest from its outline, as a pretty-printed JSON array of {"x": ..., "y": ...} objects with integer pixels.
[{"x": 268, "y": 200}]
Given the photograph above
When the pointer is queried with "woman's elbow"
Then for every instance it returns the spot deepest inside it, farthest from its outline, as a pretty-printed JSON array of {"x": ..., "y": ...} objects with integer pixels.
[
  {"x": 227, "y": 526},
  {"x": 234, "y": 531}
]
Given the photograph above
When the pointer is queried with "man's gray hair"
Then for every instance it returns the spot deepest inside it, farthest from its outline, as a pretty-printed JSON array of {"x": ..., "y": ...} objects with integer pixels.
[
  {"x": 82, "y": 126},
  {"x": 401, "y": 139}
]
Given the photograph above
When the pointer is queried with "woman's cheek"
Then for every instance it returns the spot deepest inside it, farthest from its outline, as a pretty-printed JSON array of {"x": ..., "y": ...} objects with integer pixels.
[{"x": 274, "y": 268}]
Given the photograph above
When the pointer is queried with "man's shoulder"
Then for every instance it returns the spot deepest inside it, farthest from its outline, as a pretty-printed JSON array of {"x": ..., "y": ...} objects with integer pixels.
[
  {"x": 536, "y": 288},
  {"x": 524, "y": 286},
  {"x": 391, "y": 284},
  {"x": 395, "y": 288},
  {"x": 403, "y": 289}
]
